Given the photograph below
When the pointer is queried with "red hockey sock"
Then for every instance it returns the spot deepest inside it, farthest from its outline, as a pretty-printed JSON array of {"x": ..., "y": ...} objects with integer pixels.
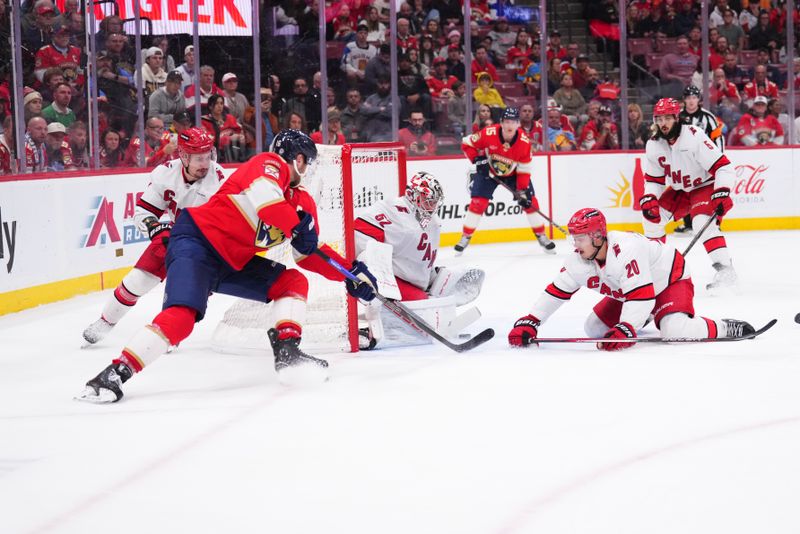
[
  {"x": 712, "y": 327},
  {"x": 124, "y": 296},
  {"x": 176, "y": 323},
  {"x": 291, "y": 283},
  {"x": 288, "y": 330},
  {"x": 714, "y": 243}
]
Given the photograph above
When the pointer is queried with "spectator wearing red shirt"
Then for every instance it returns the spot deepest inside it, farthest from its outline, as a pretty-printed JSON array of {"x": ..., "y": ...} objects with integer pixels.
[
  {"x": 207, "y": 88},
  {"x": 405, "y": 39},
  {"x": 157, "y": 147},
  {"x": 417, "y": 140},
  {"x": 439, "y": 82},
  {"x": 481, "y": 63},
  {"x": 518, "y": 54},
  {"x": 600, "y": 133},
  {"x": 716, "y": 57},
  {"x": 757, "y": 128},
  {"x": 554, "y": 49},
  {"x": 760, "y": 86},
  {"x": 335, "y": 135},
  {"x": 59, "y": 53}
]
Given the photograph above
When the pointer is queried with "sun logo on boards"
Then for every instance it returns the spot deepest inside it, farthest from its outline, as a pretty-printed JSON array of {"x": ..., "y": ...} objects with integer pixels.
[{"x": 620, "y": 193}]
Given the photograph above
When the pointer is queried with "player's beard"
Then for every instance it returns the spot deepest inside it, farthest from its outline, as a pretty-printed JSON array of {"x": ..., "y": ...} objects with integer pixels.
[{"x": 671, "y": 135}]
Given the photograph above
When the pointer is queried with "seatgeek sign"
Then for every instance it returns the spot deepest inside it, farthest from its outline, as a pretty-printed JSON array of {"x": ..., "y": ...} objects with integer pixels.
[{"x": 214, "y": 17}]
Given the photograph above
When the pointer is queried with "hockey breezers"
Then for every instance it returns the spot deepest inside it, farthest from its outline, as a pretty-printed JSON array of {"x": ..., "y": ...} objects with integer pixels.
[
  {"x": 411, "y": 318},
  {"x": 655, "y": 339}
]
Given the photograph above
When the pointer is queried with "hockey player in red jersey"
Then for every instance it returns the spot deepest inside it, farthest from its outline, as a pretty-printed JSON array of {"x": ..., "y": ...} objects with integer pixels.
[
  {"x": 409, "y": 225},
  {"x": 213, "y": 248},
  {"x": 686, "y": 173},
  {"x": 185, "y": 182},
  {"x": 637, "y": 276},
  {"x": 501, "y": 153}
]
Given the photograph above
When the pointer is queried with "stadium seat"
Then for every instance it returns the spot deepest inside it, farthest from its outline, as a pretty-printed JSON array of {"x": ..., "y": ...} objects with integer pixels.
[
  {"x": 510, "y": 89},
  {"x": 653, "y": 61},
  {"x": 334, "y": 49},
  {"x": 667, "y": 45},
  {"x": 640, "y": 46},
  {"x": 506, "y": 75},
  {"x": 748, "y": 57},
  {"x": 518, "y": 101}
]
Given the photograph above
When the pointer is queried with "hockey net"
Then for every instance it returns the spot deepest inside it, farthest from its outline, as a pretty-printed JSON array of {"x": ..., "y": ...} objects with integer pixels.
[{"x": 343, "y": 179}]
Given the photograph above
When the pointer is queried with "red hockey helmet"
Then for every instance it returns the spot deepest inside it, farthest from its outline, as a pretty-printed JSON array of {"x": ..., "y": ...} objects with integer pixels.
[
  {"x": 588, "y": 221},
  {"x": 195, "y": 141},
  {"x": 667, "y": 106}
]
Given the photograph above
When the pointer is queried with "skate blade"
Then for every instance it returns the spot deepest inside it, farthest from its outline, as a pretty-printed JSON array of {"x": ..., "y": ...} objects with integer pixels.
[
  {"x": 303, "y": 375},
  {"x": 550, "y": 251},
  {"x": 103, "y": 396},
  {"x": 458, "y": 253}
]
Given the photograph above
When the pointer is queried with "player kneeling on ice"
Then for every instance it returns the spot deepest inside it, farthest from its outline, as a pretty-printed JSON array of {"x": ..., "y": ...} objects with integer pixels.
[
  {"x": 638, "y": 277},
  {"x": 185, "y": 182},
  {"x": 400, "y": 240},
  {"x": 213, "y": 248}
]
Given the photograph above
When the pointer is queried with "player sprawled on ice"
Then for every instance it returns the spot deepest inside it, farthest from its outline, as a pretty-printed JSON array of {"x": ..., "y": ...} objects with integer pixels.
[
  {"x": 501, "y": 154},
  {"x": 212, "y": 248},
  {"x": 637, "y": 276},
  {"x": 408, "y": 230},
  {"x": 185, "y": 182},
  {"x": 686, "y": 173}
]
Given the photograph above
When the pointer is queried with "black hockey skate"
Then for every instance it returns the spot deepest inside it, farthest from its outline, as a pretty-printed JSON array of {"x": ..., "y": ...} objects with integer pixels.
[
  {"x": 462, "y": 244},
  {"x": 737, "y": 328},
  {"x": 545, "y": 242},
  {"x": 365, "y": 339},
  {"x": 107, "y": 386},
  {"x": 295, "y": 367}
]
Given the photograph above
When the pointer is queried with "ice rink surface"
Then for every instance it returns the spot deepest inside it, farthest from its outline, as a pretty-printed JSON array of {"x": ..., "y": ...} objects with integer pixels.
[{"x": 701, "y": 438}]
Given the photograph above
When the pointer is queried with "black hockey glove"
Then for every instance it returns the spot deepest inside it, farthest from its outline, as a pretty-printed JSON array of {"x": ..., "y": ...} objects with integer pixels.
[
  {"x": 155, "y": 228},
  {"x": 304, "y": 235},
  {"x": 523, "y": 199},
  {"x": 361, "y": 290},
  {"x": 482, "y": 165}
]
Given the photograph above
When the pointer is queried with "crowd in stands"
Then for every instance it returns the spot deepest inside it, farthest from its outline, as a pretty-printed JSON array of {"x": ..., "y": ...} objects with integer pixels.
[{"x": 747, "y": 83}]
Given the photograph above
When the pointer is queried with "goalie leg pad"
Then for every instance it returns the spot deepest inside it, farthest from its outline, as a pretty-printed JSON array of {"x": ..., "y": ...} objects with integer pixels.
[{"x": 464, "y": 285}]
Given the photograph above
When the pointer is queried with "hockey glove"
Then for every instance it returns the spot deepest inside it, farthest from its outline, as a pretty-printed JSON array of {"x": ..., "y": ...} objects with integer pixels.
[
  {"x": 650, "y": 208},
  {"x": 721, "y": 201},
  {"x": 524, "y": 332},
  {"x": 523, "y": 199},
  {"x": 155, "y": 228},
  {"x": 364, "y": 290},
  {"x": 482, "y": 165},
  {"x": 620, "y": 331},
  {"x": 304, "y": 235}
]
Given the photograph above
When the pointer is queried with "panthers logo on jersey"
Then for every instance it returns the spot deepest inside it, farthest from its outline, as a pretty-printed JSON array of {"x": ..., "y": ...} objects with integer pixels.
[{"x": 268, "y": 236}]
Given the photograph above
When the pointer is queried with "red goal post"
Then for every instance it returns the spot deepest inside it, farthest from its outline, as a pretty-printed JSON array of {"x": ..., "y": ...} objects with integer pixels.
[{"x": 344, "y": 179}]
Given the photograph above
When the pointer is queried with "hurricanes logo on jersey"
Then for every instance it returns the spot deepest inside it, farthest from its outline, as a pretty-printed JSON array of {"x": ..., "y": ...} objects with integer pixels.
[{"x": 268, "y": 236}]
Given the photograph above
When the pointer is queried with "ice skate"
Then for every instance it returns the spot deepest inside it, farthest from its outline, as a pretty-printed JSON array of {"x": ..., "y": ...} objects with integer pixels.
[
  {"x": 107, "y": 386},
  {"x": 683, "y": 230},
  {"x": 295, "y": 367},
  {"x": 96, "y": 331},
  {"x": 548, "y": 246},
  {"x": 462, "y": 244},
  {"x": 737, "y": 328},
  {"x": 724, "y": 277}
]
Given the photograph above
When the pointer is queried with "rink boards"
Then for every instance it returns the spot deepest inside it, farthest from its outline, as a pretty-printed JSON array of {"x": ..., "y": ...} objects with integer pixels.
[{"x": 63, "y": 235}]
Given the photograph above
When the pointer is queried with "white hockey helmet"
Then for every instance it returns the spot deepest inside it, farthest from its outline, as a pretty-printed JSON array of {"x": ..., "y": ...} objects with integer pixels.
[{"x": 424, "y": 194}]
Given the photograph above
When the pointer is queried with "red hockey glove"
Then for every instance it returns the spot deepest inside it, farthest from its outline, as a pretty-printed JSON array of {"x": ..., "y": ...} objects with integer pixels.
[
  {"x": 650, "y": 208},
  {"x": 721, "y": 201},
  {"x": 524, "y": 332},
  {"x": 620, "y": 331}
]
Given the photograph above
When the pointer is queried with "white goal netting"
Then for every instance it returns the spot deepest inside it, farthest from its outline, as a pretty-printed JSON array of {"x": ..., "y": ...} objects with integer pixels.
[{"x": 344, "y": 178}]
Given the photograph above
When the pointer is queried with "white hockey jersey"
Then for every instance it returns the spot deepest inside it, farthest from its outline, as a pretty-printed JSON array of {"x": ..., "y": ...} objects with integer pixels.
[
  {"x": 168, "y": 193},
  {"x": 693, "y": 161},
  {"x": 635, "y": 271},
  {"x": 414, "y": 248}
]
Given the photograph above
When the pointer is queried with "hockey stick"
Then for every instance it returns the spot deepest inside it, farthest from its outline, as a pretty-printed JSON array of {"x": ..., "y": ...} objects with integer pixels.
[
  {"x": 703, "y": 229},
  {"x": 656, "y": 339},
  {"x": 516, "y": 195},
  {"x": 409, "y": 317}
]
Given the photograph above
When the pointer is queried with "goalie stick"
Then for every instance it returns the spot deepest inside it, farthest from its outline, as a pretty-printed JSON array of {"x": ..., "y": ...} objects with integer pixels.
[
  {"x": 410, "y": 317},
  {"x": 656, "y": 339},
  {"x": 516, "y": 195}
]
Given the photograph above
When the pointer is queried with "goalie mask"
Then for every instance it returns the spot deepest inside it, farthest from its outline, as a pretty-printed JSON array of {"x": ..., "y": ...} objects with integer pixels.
[
  {"x": 424, "y": 194},
  {"x": 196, "y": 151}
]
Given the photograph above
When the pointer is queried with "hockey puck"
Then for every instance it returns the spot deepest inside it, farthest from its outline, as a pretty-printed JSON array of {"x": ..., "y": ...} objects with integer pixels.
[{"x": 797, "y": 318}]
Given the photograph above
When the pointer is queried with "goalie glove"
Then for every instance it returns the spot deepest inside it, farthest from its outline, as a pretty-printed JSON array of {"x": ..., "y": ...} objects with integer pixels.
[
  {"x": 650, "y": 208},
  {"x": 524, "y": 332},
  {"x": 154, "y": 228},
  {"x": 620, "y": 331}
]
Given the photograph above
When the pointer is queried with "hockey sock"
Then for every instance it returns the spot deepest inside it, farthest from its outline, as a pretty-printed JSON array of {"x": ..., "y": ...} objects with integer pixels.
[
  {"x": 289, "y": 293},
  {"x": 681, "y": 325},
  {"x": 536, "y": 221},
  {"x": 717, "y": 250},
  {"x": 476, "y": 208},
  {"x": 135, "y": 284},
  {"x": 170, "y": 327}
]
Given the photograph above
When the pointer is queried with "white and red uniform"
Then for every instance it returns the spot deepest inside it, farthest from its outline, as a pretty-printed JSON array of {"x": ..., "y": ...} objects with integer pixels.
[
  {"x": 50, "y": 56},
  {"x": 683, "y": 175},
  {"x": 753, "y": 131},
  {"x": 166, "y": 194},
  {"x": 414, "y": 248},
  {"x": 753, "y": 89},
  {"x": 639, "y": 277}
]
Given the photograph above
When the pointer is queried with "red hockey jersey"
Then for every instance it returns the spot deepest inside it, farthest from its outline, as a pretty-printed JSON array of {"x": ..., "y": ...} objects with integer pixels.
[{"x": 517, "y": 153}]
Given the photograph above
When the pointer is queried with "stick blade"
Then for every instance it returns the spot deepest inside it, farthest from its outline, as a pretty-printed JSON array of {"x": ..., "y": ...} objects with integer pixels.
[{"x": 480, "y": 339}]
